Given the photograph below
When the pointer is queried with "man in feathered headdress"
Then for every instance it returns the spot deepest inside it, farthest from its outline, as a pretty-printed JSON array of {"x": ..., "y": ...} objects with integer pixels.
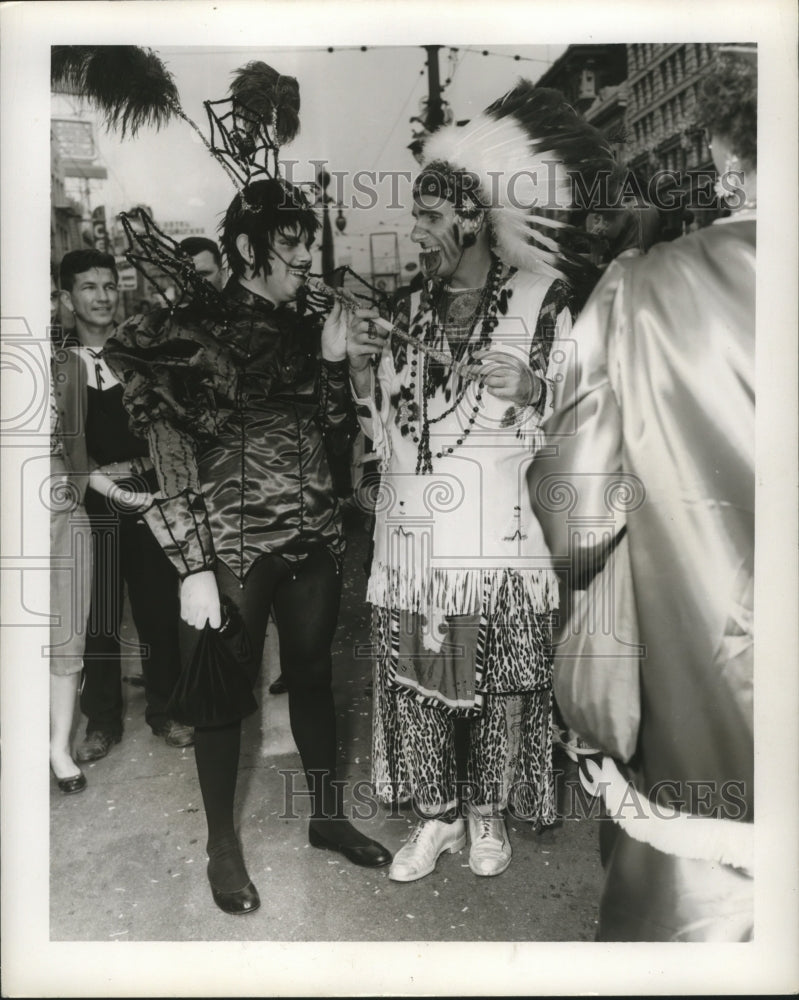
[{"x": 461, "y": 581}]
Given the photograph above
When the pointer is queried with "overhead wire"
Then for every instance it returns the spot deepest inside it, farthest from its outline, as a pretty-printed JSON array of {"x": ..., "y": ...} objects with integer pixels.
[{"x": 402, "y": 112}]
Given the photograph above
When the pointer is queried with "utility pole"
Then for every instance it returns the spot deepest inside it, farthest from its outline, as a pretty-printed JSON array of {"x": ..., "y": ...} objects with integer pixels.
[
  {"x": 435, "y": 111},
  {"x": 328, "y": 256}
]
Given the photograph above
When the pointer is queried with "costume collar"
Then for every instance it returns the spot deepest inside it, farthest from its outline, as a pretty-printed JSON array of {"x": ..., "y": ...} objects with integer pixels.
[{"x": 234, "y": 291}]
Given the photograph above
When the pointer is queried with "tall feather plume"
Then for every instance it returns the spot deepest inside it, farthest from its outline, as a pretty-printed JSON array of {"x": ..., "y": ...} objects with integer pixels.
[
  {"x": 527, "y": 148},
  {"x": 269, "y": 100},
  {"x": 129, "y": 85}
]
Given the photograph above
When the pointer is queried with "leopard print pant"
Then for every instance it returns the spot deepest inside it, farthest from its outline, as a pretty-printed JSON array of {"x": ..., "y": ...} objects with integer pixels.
[{"x": 509, "y": 764}]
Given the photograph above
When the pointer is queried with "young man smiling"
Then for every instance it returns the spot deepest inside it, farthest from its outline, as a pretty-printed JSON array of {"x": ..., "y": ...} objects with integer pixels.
[{"x": 125, "y": 552}]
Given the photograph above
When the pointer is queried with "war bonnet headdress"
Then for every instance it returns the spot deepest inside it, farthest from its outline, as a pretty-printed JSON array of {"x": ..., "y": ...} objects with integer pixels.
[{"x": 534, "y": 164}]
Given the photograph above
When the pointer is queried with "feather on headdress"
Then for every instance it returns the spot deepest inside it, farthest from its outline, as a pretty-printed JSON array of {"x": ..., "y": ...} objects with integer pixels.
[
  {"x": 532, "y": 155},
  {"x": 261, "y": 115},
  {"x": 130, "y": 85},
  {"x": 269, "y": 99}
]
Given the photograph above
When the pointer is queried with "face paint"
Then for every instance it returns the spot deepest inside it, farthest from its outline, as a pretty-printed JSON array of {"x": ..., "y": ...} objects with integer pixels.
[
  {"x": 438, "y": 232},
  {"x": 289, "y": 262}
]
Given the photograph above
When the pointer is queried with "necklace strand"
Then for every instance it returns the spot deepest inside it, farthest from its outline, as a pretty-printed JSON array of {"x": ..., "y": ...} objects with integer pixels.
[{"x": 408, "y": 410}]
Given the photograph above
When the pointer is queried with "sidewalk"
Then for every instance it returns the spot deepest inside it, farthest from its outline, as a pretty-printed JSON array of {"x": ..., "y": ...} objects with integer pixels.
[{"x": 128, "y": 854}]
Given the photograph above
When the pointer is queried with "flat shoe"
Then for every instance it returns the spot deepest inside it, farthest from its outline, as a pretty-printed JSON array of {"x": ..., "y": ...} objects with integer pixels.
[
  {"x": 278, "y": 686},
  {"x": 428, "y": 840},
  {"x": 244, "y": 900},
  {"x": 95, "y": 746},
  {"x": 490, "y": 853},
  {"x": 175, "y": 734},
  {"x": 70, "y": 786},
  {"x": 369, "y": 854}
]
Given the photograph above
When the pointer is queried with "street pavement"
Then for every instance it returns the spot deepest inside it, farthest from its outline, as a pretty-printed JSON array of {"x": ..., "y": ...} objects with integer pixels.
[{"x": 128, "y": 854}]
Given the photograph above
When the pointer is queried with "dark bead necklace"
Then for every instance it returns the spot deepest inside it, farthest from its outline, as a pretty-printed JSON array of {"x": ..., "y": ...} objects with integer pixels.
[{"x": 462, "y": 348}]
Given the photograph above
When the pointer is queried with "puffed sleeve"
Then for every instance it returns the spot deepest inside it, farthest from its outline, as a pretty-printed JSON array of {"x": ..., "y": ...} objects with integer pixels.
[
  {"x": 569, "y": 480},
  {"x": 173, "y": 376}
]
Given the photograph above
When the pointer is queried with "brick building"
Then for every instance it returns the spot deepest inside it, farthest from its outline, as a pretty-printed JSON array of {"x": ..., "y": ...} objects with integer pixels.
[{"x": 648, "y": 94}]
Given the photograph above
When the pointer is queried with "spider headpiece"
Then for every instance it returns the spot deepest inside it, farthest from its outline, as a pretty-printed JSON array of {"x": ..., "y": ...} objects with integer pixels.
[
  {"x": 249, "y": 127},
  {"x": 164, "y": 263}
]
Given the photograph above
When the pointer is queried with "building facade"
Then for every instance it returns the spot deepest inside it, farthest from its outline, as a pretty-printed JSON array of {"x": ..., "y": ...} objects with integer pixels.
[{"x": 643, "y": 97}]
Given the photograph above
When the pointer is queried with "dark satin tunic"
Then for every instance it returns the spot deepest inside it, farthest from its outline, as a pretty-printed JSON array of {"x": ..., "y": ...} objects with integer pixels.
[{"x": 241, "y": 415}]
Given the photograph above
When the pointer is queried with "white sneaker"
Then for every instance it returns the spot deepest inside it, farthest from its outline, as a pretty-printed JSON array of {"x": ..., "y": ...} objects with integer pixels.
[
  {"x": 490, "y": 852},
  {"x": 429, "y": 839}
]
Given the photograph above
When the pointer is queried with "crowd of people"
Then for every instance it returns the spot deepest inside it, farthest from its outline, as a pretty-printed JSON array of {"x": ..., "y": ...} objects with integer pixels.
[{"x": 199, "y": 445}]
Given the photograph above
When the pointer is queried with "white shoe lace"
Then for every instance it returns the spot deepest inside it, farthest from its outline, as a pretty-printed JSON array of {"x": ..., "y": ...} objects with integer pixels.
[{"x": 485, "y": 827}]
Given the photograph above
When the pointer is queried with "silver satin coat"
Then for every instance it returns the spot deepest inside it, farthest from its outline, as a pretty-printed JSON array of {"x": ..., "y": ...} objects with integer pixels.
[{"x": 659, "y": 396}]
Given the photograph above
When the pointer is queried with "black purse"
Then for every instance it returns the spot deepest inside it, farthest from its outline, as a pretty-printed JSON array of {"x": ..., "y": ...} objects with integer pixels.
[{"x": 214, "y": 688}]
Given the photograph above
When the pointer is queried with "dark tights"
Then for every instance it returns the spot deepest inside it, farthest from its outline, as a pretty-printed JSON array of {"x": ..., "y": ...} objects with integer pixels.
[{"x": 305, "y": 597}]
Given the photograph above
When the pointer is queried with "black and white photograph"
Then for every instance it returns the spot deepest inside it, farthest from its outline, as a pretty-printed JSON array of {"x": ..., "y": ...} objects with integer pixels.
[{"x": 399, "y": 499}]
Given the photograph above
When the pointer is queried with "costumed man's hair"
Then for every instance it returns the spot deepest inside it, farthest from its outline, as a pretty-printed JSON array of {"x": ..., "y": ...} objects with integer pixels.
[
  {"x": 79, "y": 261},
  {"x": 263, "y": 209},
  {"x": 727, "y": 102},
  {"x": 194, "y": 245}
]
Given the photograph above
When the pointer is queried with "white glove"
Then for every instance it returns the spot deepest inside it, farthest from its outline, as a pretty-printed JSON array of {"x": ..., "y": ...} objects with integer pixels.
[{"x": 199, "y": 600}]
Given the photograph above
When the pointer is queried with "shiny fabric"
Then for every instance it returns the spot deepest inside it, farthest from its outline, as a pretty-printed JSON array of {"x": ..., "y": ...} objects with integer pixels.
[
  {"x": 654, "y": 427},
  {"x": 242, "y": 418}
]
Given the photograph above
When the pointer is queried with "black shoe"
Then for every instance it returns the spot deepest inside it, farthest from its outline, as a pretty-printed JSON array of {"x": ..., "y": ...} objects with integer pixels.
[
  {"x": 70, "y": 786},
  {"x": 244, "y": 900},
  {"x": 175, "y": 734},
  {"x": 278, "y": 686},
  {"x": 95, "y": 746},
  {"x": 364, "y": 852}
]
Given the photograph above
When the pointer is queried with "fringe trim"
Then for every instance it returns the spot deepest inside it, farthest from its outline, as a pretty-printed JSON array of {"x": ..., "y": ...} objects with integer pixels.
[
  {"x": 462, "y": 591},
  {"x": 725, "y": 841}
]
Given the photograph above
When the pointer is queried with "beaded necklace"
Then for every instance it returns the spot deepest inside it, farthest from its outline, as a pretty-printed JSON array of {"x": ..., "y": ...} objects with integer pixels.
[{"x": 434, "y": 375}]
